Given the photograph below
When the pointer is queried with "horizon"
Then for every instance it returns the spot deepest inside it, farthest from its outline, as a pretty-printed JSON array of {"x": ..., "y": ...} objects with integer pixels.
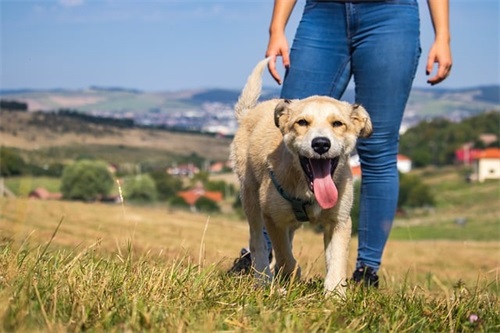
[
  {"x": 265, "y": 87},
  {"x": 191, "y": 45}
]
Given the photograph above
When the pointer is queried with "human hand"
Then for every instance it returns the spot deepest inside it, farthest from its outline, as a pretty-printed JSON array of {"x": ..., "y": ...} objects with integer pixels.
[
  {"x": 439, "y": 53},
  {"x": 278, "y": 46}
]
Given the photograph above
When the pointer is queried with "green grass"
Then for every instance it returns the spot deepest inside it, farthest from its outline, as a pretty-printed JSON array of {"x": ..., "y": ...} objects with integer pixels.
[
  {"x": 88, "y": 275},
  {"x": 478, "y": 204},
  {"x": 44, "y": 289},
  {"x": 22, "y": 186}
]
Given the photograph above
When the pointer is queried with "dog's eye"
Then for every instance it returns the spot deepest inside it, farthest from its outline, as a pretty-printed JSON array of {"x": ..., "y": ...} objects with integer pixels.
[
  {"x": 337, "y": 123},
  {"x": 302, "y": 122}
]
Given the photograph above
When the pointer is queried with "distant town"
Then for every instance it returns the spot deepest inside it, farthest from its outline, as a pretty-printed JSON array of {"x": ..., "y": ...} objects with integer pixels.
[{"x": 211, "y": 110}]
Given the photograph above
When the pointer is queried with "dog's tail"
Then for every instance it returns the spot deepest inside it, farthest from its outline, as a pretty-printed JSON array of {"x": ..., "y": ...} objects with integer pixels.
[{"x": 251, "y": 92}]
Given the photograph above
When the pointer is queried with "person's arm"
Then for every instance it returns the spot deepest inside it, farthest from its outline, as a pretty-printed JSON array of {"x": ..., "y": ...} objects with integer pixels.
[
  {"x": 278, "y": 44},
  {"x": 440, "y": 51}
]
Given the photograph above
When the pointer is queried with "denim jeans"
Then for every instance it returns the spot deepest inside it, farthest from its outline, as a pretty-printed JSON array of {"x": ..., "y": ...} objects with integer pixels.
[{"x": 378, "y": 44}]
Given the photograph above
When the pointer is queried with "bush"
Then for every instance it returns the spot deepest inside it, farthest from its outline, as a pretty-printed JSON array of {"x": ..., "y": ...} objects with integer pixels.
[
  {"x": 51, "y": 170},
  {"x": 413, "y": 192},
  {"x": 139, "y": 188},
  {"x": 86, "y": 180},
  {"x": 166, "y": 185},
  {"x": 206, "y": 205},
  {"x": 11, "y": 163},
  {"x": 178, "y": 202},
  {"x": 238, "y": 206},
  {"x": 220, "y": 186}
]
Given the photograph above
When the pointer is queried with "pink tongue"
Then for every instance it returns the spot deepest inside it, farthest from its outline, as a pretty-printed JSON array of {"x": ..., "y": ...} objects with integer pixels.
[{"x": 325, "y": 190}]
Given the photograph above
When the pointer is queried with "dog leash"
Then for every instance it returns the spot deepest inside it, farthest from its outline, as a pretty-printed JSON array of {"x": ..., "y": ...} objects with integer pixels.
[{"x": 298, "y": 205}]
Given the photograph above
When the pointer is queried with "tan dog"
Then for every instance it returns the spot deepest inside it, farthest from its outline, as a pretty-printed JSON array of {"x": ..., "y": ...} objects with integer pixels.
[{"x": 291, "y": 158}]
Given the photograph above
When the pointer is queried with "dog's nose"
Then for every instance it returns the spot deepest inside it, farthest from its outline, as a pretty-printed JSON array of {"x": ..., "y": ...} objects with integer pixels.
[{"x": 321, "y": 145}]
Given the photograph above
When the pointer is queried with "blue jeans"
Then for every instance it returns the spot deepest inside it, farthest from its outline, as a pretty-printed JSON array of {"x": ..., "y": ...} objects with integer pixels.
[{"x": 378, "y": 44}]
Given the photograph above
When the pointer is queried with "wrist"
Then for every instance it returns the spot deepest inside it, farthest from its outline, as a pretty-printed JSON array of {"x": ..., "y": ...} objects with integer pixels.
[
  {"x": 276, "y": 30},
  {"x": 442, "y": 38}
]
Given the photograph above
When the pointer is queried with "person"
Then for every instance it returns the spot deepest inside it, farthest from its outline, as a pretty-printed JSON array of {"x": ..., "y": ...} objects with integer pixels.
[{"x": 377, "y": 43}]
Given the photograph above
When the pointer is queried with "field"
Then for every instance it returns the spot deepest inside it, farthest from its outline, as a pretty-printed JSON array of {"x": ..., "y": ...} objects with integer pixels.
[
  {"x": 134, "y": 268},
  {"x": 50, "y": 138}
]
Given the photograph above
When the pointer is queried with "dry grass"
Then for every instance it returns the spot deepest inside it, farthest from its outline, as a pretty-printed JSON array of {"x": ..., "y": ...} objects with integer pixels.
[
  {"x": 174, "y": 234},
  {"x": 22, "y": 130},
  {"x": 128, "y": 268}
]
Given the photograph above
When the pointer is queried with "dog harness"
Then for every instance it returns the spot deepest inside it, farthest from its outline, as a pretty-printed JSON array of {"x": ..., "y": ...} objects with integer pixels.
[{"x": 298, "y": 205}]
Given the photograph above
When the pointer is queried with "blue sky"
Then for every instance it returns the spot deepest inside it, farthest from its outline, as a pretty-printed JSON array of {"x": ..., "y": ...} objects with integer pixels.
[{"x": 156, "y": 45}]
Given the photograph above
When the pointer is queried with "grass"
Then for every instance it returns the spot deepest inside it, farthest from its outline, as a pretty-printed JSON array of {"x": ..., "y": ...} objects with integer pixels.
[
  {"x": 133, "y": 268},
  {"x": 463, "y": 211},
  {"x": 72, "y": 266},
  {"x": 61, "y": 290},
  {"x": 22, "y": 186}
]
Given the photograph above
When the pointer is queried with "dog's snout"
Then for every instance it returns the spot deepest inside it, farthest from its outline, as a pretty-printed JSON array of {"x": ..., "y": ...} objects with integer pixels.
[{"x": 321, "y": 145}]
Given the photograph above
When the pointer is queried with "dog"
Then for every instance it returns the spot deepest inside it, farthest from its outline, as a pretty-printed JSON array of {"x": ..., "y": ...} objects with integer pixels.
[{"x": 292, "y": 161}]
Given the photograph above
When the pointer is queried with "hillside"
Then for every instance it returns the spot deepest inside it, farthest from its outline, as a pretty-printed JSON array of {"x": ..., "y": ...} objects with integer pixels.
[
  {"x": 210, "y": 110},
  {"x": 67, "y": 137}
]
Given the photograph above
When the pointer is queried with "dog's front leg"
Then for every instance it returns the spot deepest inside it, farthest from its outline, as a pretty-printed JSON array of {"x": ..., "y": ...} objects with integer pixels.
[
  {"x": 260, "y": 253},
  {"x": 336, "y": 238}
]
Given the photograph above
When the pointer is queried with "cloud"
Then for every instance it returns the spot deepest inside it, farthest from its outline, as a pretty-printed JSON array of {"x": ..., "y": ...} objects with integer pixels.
[{"x": 71, "y": 3}]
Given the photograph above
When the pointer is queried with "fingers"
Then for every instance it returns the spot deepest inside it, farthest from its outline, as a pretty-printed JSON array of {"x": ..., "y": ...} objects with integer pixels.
[
  {"x": 272, "y": 69},
  {"x": 439, "y": 54},
  {"x": 442, "y": 73}
]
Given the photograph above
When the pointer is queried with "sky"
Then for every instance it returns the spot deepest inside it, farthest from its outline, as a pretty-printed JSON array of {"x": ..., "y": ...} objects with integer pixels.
[{"x": 167, "y": 45}]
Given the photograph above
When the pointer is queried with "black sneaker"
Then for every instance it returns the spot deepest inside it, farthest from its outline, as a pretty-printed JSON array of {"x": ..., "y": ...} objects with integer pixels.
[
  {"x": 243, "y": 264},
  {"x": 366, "y": 275}
]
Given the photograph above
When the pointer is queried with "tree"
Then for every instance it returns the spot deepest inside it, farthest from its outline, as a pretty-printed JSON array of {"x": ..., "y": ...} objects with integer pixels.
[
  {"x": 178, "y": 202},
  {"x": 413, "y": 193},
  {"x": 86, "y": 180},
  {"x": 166, "y": 185},
  {"x": 11, "y": 163},
  {"x": 220, "y": 186},
  {"x": 206, "y": 205},
  {"x": 139, "y": 188},
  {"x": 435, "y": 141}
]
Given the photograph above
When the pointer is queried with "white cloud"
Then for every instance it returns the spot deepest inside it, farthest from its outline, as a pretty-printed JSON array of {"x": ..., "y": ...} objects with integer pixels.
[{"x": 71, "y": 3}]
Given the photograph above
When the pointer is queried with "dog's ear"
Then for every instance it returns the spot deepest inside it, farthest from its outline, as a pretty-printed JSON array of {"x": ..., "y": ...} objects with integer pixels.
[
  {"x": 361, "y": 121},
  {"x": 280, "y": 110}
]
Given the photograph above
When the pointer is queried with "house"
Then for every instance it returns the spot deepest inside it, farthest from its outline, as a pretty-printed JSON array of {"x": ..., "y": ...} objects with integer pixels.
[
  {"x": 43, "y": 194},
  {"x": 404, "y": 165},
  {"x": 188, "y": 170},
  {"x": 467, "y": 154},
  {"x": 192, "y": 195},
  {"x": 488, "y": 164}
]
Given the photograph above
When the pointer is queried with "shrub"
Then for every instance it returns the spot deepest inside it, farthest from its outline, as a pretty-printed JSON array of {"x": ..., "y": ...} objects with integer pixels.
[
  {"x": 206, "y": 205},
  {"x": 178, "y": 202},
  {"x": 139, "y": 188},
  {"x": 11, "y": 163},
  {"x": 166, "y": 185},
  {"x": 86, "y": 180},
  {"x": 220, "y": 186},
  {"x": 413, "y": 192}
]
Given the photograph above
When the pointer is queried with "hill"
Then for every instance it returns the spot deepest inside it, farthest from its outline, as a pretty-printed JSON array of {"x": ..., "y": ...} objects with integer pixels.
[
  {"x": 210, "y": 110},
  {"x": 60, "y": 137}
]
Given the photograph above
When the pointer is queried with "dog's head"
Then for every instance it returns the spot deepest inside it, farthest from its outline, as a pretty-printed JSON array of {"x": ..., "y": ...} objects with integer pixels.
[{"x": 319, "y": 131}]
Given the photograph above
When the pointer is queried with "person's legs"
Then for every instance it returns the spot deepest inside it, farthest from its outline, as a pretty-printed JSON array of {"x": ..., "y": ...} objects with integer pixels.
[
  {"x": 319, "y": 65},
  {"x": 385, "y": 57},
  {"x": 320, "y": 53}
]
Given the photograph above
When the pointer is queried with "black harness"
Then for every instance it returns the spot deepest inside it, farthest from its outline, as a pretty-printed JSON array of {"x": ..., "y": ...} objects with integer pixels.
[{"x": 298, "y": 205}]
